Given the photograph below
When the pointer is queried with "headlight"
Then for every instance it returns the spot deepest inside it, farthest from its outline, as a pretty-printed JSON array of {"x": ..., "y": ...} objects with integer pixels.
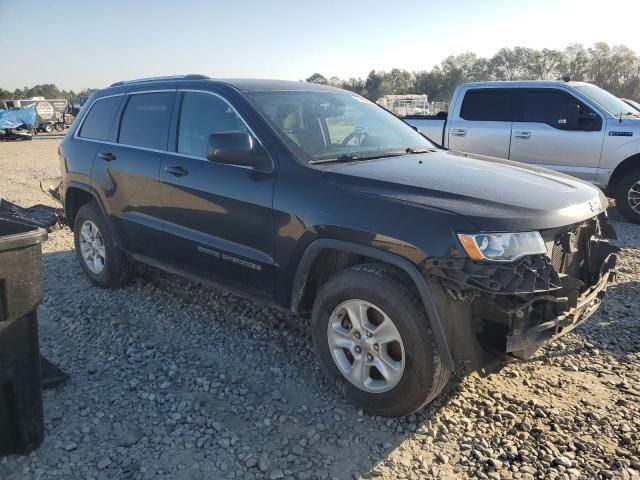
[{"x": 502, "y": 247}]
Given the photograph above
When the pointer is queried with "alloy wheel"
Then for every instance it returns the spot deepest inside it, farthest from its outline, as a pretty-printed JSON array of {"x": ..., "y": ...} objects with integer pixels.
[
  {"x": 633, "y": 197},
  {"x": 92, "y": 247},
  {"x": 366, "y": 346}
]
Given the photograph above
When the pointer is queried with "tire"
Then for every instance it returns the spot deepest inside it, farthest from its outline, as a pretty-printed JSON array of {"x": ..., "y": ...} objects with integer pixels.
[
  {"x": 59, "y": 127},
  {"x": 117, "y": 268},
  {"x": 630, "y": 210},
  {"x": 47, "y": 127},
  {"x": 382, "y": 291}
]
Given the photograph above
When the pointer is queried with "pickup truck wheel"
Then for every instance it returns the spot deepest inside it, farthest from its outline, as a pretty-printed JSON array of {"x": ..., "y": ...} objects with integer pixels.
[
  {"x": 105, "y": 264},
  {"x": 372, "y": 336},
  {"x": 628, "y": 196}
]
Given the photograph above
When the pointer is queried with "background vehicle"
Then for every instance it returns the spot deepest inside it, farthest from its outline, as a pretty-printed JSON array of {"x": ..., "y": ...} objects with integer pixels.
[
  {"x": 573, "y": 127},
  {"x": 49, "y": 112},
  {"x": 17, "y": 124},
  {"x": 633, "y": 103},
  {"x": 319, "y": 201}
]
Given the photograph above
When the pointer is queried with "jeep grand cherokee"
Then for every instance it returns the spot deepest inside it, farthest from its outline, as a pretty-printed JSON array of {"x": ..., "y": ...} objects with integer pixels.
[{"x": 409, "y": 258}]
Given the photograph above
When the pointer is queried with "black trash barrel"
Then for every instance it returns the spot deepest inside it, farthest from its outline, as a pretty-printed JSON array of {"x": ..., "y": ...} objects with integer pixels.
[{"x": 21, "y": 418}]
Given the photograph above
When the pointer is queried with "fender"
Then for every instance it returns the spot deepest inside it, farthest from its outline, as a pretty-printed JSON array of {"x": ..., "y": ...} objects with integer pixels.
[
  {"x": 92, "y": 191},
  {"x": 402, "y": 263}
]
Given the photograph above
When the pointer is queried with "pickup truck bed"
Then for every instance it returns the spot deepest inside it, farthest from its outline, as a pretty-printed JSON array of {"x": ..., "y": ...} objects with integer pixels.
[{"x": 431, "y": 126}]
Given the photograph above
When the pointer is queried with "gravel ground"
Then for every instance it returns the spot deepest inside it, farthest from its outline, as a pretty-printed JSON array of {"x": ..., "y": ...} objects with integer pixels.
[{"x": 170, "y": 379}]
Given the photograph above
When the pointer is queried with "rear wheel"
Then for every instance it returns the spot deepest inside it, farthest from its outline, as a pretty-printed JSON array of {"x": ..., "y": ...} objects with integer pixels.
[
  {"x": 372, "y": 337},
  {"x": 628, "y": 196},
  {"x": 104, "y": 263}
]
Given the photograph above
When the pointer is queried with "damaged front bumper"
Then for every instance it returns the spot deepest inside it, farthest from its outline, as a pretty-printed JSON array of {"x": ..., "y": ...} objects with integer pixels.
[
  {"x": 527, "y": 335},
  {"x": 512, "y": 309}
]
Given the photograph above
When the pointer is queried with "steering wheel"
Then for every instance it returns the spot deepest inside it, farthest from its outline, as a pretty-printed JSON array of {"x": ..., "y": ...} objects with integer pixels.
[{"x": 360, "y": 134}]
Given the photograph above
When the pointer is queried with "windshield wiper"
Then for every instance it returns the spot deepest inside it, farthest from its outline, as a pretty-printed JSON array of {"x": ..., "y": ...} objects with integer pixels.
[
  {"x": 420, "y": 150},
  {"x": 353, "y": 158}
]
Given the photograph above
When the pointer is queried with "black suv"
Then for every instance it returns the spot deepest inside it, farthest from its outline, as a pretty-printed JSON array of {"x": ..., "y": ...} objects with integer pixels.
[{"x": 409, "y": 258}]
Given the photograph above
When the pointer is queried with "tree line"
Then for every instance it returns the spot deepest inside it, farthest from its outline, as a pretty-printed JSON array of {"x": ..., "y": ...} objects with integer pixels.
[
  {"x": 47, "y": 90},
  {"x": 616, "y": 69}
]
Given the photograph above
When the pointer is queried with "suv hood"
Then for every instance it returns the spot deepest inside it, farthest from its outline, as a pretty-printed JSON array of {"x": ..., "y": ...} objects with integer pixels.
[{"x": 494, "y": 194}]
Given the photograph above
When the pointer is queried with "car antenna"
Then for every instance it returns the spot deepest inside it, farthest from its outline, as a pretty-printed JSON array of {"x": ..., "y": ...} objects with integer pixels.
[{"x": 566, "y": 77}]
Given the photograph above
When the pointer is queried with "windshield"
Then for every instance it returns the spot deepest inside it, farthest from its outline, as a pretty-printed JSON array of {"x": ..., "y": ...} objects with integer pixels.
[
  {"x": 606, "y": 100},
  {"x": 336, "y": 125}
]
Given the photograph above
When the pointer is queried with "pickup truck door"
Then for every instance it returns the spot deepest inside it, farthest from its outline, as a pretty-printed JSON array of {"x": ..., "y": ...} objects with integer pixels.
[
  {"x": 219, "y": 222},
  {"x": 482, "y": 122},
  {"x": 554, "y": 129}
]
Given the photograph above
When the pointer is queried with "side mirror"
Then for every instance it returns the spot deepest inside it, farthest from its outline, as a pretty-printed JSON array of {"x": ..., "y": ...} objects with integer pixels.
[
  {"x": 569, "y": 118},
  {"x": 236, "y": 148}
]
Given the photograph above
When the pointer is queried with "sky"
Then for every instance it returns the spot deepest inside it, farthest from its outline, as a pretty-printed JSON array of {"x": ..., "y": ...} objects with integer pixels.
[{"x": 88, "y": 43}]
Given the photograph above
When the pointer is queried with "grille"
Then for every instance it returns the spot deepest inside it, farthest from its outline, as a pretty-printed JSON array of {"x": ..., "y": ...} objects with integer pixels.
[{"x": 569, "y": 249}]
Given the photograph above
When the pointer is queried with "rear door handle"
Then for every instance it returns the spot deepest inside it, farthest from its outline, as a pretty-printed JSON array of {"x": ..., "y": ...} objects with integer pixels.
[
  {"x": 106, "y": 156},
  {"x": 459, "y": 132},
  {"x": 523, "y": 135},
  {"x": 176, "y": 170}
]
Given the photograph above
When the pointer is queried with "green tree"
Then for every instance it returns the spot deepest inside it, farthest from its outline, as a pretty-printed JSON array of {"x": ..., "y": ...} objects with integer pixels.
[
  {"x": 397, "y": 82},
  {"x": 317, "y": 78},
  {"x": 374, "y": 84}
]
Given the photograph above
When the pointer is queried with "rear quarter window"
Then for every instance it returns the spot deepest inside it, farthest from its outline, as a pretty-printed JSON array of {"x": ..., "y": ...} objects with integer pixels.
[
  {"x": 145, "y": 121},
  {"x": 486, "y": 105},
  {"x": 99, "y": 121}
]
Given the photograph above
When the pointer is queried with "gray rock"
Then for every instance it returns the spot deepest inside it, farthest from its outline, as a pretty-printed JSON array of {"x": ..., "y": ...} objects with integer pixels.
[
  {"x": 563, "y": 461},
  {"x": 70, "y": 446}
]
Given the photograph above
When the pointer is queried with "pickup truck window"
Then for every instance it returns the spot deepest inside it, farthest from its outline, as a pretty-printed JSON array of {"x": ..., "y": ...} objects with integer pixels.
[
  {"x": 554, "y": 108},
  {"x": 145, "y": 122},
  {"x": 328, "y": 125},
  {"x": 201, "y": 115},
  {"x": 487, "y": 105},
  {"x": 98, "y": 122}
]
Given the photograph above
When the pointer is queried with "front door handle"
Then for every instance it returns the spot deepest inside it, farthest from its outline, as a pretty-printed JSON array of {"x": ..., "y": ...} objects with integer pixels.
[
  {"x": 523, "y": 135},
  {"x": 106, "y": 156},
  {"x": 459, "y": 132},
  {"x": 176, "y": 170}
]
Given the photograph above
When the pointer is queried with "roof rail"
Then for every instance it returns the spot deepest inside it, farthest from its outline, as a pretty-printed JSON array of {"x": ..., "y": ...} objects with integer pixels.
[{"x": 191, "y": 76}]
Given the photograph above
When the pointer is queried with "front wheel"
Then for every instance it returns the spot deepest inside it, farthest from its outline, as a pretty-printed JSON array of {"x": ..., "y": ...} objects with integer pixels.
[
  {"x": 628, "y": 196},
  {"x": 47, "y": 127},
  {"x": 374, "y": 343}
]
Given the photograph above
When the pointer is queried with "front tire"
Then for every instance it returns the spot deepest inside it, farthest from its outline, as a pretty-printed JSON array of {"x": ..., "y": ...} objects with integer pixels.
[
  {"x": 372, "y": 336},
  {"x": 105, "y": 264},
  {"x": 628, "y": 196}
]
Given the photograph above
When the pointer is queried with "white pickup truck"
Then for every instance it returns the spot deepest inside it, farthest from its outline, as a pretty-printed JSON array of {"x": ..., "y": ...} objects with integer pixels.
[{"x": 573, "y": 127}]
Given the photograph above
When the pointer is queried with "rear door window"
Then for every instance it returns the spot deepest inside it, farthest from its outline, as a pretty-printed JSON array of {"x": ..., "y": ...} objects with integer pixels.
[
  {"x": 145, "y": 121},
  {"x": 99, "y": 121},
  {"x": 487, "y": 105}
]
